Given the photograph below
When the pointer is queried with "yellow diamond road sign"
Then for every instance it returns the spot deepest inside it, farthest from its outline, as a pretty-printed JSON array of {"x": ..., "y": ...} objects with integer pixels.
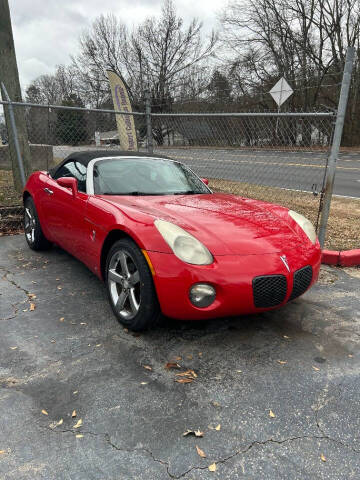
[{"x": 281, "y": 91}]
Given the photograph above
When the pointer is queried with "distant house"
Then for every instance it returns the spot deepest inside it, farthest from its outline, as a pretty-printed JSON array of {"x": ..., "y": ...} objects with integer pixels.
[{"x": 109, "y": 138}]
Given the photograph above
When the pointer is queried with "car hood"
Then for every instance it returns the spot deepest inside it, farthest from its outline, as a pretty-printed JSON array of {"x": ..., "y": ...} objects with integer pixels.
[{"x": 226, "y": 224}]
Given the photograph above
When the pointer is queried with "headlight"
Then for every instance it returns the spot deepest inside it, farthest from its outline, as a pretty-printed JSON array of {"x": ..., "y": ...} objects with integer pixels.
[
  {"x": 183, "y": 244},
  {"x": 305, "y": 224}
]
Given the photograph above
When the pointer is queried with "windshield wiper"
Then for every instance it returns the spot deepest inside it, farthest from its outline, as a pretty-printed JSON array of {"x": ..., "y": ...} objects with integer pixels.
[
  {"x": 186, "y": 192},
  {"x": 135, "y": 193}
]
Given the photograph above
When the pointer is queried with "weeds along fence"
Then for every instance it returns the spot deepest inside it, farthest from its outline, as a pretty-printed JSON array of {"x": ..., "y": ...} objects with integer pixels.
[{"x": 275, "y": 157}]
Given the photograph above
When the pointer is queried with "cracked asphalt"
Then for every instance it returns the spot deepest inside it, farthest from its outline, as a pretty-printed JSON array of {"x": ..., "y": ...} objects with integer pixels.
[{"x": 69, "y": 353}]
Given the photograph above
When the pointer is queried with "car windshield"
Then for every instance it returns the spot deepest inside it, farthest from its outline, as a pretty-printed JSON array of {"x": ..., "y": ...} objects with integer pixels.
[{"x": 145, "y": 176}]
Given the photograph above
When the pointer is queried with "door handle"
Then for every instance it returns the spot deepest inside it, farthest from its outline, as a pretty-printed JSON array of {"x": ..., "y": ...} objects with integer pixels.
[{"x": 48, "y": 191}]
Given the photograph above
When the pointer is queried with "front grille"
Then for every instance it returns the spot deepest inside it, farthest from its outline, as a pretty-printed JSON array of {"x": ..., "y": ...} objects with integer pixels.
[
  {"x": 269, "y": 290},
  {"x": 302, "y": 280}
]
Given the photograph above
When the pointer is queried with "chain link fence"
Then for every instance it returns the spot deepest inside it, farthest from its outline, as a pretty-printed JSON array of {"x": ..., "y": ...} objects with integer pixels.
[{"x": 279, "y": 158}]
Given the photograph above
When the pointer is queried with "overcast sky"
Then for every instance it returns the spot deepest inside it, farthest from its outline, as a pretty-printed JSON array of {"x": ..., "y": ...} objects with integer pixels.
[{"x": 46, "y": 32}]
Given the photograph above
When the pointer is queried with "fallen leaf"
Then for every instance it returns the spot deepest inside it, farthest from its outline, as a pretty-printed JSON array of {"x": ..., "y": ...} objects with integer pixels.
[
  {"x": 13, "y": 348},
  {"x": 143, "y": 383},
  {"x": 147, "y": 367},
  {"x": 59, "y": 288},
  {"x": 200, "y": 452},
  {"x": 61, "y": 319},
  {"x": 78, "y": 424},
  {"x": 52, "y": 341},
  {"x": 212, "y": 467},
  {"x": 184, "y": 380},
  {"x": 350, "y": 355},
  {"x": 83, "y": 323},
  {"x": 25, "y": 310},
  {"x": 285, "y": 336},
  {"x": 60, "y": 422},
  {"x": 32, "y": 307},
  {"x": 271, "y": 414},
  {"x": 126, "y": 330},
  {"x": 189, "y": 357},
  {"x": 322, "y": 456},
  {"x": 178, "y": 359},
  {"x": 31, "y": 295},
  {"x": 44, "y": 412},
  {"x": 172, "y": 365},
  {"x": 79, "y": 435},
  {"x": 218, "y": 427},
  {"x": 316, "y": 368},
  {"x": 74, "y": 393},
  {"x": 73, "y": 415},
  {"x": 239, "y": 371},
  {"x": 188, "y": 373},
  {"x": 197, "y": 433},
  {"x": 2, "y": 452},
  {"x": 98, "y": 345},
  {"x": 200, "y": 354},
  {"x": 216, "y": 404},
  {"x": 32, "y": 281},
  {"x": 282, "y": 362}
]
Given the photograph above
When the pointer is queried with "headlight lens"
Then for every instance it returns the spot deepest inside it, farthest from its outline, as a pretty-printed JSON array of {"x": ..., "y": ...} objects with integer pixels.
[
  {"x": 183, "y": 244},
  {"x": 305, "y": 224}
]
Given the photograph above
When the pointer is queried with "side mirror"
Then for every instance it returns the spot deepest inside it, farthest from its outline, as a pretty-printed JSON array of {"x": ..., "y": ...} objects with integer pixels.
[
  {"x": 205, "y": 180},
  {"x": 69, "y": 182}
]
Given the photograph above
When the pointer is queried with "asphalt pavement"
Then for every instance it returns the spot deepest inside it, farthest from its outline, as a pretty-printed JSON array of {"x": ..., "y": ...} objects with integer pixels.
[
  {"x": 298, "y": 170},
  {"x": 276, "y": 395}
]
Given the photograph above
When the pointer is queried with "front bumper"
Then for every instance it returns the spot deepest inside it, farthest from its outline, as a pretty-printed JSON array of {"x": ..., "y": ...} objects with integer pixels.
[{"x": 231, "y": 275}]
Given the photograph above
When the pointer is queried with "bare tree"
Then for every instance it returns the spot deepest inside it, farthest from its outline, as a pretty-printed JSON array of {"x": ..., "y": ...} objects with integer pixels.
[{"x": 156, "y": 54}]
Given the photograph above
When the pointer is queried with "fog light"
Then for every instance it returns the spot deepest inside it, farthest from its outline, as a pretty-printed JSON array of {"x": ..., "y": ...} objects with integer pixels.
[{"x": 202, "y": 295}]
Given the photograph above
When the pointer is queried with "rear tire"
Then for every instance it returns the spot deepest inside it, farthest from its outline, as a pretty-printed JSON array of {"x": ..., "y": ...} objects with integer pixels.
[
  {"x": 33, "y": 233},
  {"x": 130, "y": 287}
]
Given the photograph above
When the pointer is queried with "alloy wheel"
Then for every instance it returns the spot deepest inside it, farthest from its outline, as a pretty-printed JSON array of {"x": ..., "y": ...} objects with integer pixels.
[{"x": 124, "y": 284}]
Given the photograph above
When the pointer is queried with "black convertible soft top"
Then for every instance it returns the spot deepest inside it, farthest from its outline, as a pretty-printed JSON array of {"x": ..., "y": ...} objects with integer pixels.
[{"x": 86, "y": 156}]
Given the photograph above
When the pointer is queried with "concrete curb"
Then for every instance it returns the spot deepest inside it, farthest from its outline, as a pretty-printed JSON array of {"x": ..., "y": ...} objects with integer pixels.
[{"x": 347, "y": 258}]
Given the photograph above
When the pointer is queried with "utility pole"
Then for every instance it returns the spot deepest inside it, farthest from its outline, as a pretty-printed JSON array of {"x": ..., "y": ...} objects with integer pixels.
[{"x": 9, "y": 75}]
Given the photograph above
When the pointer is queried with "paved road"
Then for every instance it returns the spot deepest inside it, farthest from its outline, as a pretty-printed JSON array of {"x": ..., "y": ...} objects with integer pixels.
[
  {"x": 293, "y": 170},
  {"x": 71, "y": 354}
]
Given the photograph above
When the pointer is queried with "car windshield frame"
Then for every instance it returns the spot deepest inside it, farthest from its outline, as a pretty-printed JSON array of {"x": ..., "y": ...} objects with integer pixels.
[{"x": 198, "y": 185}]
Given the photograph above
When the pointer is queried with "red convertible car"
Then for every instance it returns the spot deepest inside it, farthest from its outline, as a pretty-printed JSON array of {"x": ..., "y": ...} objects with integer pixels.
[{"x": 162, "y": 241}]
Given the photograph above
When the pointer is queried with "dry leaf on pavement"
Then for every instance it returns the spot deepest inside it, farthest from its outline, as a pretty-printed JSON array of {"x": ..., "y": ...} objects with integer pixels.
[
  {"x": 79, "y": 435},
  {"x": 282, "y": 362},
  {"x": 44, "y": 412},
  {"x": 322, "y": 456},
  {"x": 178, "y": 359},
  {"x": 271, "y": 414},
  {"x": 212, "y": 467},
  {"x": 78, "y": 424},
  {"x": 32, "y": 307},
  {"x": 184, "y": 380},
  {"x": 148, "y": 367},
  {"x": 218, "y": 427},
  {"x": 73, "y": 415},
  {"x": 188, "y": 373},
  {"x": 316, "y": 368},
  {"x": 197, "y": 433},
  {"x": 13, "y": 348},
  {"x": 172, "y": 365},
  {"x": 200, "y": 452},
  {"x": 2, "y": 452}
]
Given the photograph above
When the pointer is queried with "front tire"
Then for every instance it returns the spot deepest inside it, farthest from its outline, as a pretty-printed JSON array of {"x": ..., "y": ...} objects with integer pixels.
[
  {"x": 33, "y": 233},
  {"x": 130, "y": 286}
]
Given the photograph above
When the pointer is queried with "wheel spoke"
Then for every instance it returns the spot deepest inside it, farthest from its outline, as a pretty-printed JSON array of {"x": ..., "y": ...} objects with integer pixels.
[
  {"x": 134, "y": 278},
  {"x": 123, "y": 263},
  {"x": 133, "y": 302},
  {"x": 28, "y": 213},
  {"x": 33, "y": 235},
  {"x": 115, "y": 277},
  {"x": 121, "y": 300}
]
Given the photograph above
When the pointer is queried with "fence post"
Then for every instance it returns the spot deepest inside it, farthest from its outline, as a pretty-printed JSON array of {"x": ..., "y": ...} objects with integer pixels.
[
  {"x": 149, "y": 136},
  {"x": 340, "y": 119},
  {"x": 15, "y": 136}
]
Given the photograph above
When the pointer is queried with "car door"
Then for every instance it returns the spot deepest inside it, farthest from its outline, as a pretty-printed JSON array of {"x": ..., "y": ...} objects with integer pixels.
[{"x": 64, "y": 212}]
